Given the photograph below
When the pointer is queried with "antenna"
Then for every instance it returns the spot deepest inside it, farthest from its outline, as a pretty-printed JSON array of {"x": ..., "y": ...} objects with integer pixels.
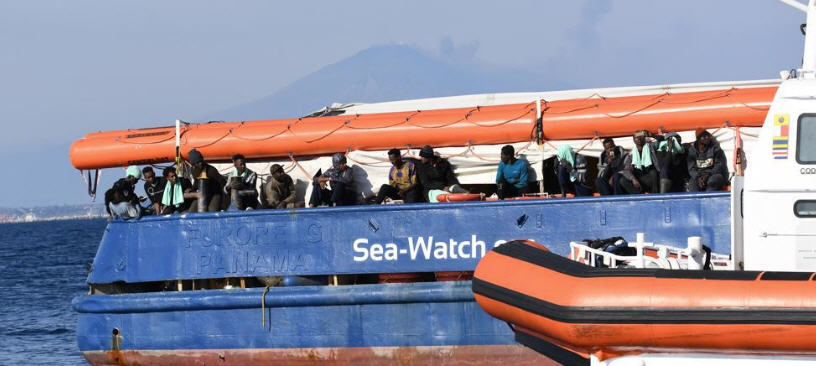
[{"x": 808, "y": 70}]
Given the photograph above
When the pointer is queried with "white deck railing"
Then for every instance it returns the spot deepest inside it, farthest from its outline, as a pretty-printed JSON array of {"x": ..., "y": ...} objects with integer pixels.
[{"x": 662, "y": 256}]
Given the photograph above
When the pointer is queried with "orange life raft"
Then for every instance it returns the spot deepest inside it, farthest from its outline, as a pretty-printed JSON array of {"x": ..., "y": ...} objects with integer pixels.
[
  {"x": 560, "y": 120},
  {"x": 569, "y": 310}
]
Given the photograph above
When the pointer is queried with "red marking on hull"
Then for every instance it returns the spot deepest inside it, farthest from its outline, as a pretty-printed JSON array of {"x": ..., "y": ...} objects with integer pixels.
[{"x": 424, "y": 355}]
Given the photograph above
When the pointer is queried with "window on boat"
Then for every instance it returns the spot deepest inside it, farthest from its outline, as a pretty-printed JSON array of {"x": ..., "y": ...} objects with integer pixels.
[
  {"x": 806, "y": 139},
  {"x": 804, "y": 208}
]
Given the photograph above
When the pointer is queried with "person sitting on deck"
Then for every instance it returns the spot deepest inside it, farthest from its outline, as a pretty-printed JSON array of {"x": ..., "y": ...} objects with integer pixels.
[
  {"x": 121, "y": 200},
  {"x": 609, "y": 164},
  {"x": 340, "y": 178},
  {"x": 511, "y": 176},
  {"x": 154, "y": 188},
  {"x": 279, "y": 191},
  {"x": 572, "y": 172},
  {"x": 241, "y": 187},
  {"x": 639, "y": 172},
  {"x": 178, "y": 195},
  {"x": 403, "y": 183},
  {"x": 209, "y": 183},
  {"x": 436, "y": 175},
  {"x": 672, "y": 162},
  {"x": 707, "y": 167}
]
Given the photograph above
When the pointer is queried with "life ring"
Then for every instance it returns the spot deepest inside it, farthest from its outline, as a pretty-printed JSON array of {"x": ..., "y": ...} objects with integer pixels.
[{"x": 459, "y": 197}]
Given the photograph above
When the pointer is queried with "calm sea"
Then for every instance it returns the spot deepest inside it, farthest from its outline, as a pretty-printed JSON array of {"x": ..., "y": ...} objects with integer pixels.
[{"x": 43, "y": 265}]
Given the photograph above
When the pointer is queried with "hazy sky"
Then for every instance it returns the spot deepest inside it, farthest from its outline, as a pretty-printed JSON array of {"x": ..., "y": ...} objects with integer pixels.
[{"x": 72, "y": 67}]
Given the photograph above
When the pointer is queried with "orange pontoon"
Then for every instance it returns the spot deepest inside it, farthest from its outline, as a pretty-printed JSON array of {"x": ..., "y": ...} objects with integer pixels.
[
  {"x": 560, "y": 120},
  {"x": 570, "y": 310}
]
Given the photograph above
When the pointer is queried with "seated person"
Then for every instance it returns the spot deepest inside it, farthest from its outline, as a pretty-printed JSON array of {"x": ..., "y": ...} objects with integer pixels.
[
  {"x": 707, "y": 167},
  {"x": 340, "y": 179},
  {"x": 403, "y": 183},
  {"x": 154, "y": 188},
  {"x": 639, "y": 172},
  {"x": 121, "y": 200},
  {"x": 178, "y": 195},
  {"x": 209, "y": 183},
  {"x": 511, "y": 177},
  {"x": 609, "y": 164},
  {"x": 571, "y": 172},
  {"x": 436, "y": 175},
  {"x": 279, "y": 191},
  {"x": 672, "y": 162},
  {"x": 241, "y": 186}
]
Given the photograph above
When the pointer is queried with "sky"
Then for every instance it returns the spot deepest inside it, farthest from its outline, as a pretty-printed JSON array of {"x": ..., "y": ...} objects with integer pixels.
[{"x": 72, "y": 67}]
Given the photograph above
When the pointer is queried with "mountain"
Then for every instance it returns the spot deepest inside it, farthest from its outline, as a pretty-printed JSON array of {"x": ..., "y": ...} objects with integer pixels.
[{"x": 386, "y": 73}]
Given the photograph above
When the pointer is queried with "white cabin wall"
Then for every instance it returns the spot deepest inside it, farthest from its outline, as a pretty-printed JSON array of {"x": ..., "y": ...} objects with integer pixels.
[{"x": 775, "y": 238}]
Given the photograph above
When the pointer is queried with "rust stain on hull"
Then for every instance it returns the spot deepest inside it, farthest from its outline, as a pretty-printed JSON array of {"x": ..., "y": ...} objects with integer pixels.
[{"x": 423, "y": 355}]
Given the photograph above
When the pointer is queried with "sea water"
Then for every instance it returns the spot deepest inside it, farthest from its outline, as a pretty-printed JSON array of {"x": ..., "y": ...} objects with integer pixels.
[{"x": 43, "y": 265}]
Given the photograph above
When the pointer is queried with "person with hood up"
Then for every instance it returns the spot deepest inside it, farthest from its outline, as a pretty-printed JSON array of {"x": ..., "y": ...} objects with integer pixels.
[
  {"x": 707, "y": 166},
  {"x": 209, "y": 183},
  {"x": 512, "y": 175},
  {"x": 572, "y": 172},
  {"x": 340, "y": 180},
  {"x": 121, "y": 200},
  {"x": 640, "y": 172},
  {"x": 436, "y": 175}
]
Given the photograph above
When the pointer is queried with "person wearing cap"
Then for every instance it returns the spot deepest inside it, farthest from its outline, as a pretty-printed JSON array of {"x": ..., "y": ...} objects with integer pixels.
[
  {"x": 340, "y": 178},
  {"x": 279, "y": 191},
  {"x": 640, "y": 172},
  {"x": 208, "y": 183},
  {"x": 511, "y": 176},
  {"x": 436, "y": 175},
  {"x": 707, "y": 166},
  {"x": 121, "y": 200},
  {"x": 178, "y": 195},
  {"x": 154, "y": 189},
  {"x": 572, "y": 172},
  {"x": 242, "y": 185},
  {"x": 403, "y": 183}
]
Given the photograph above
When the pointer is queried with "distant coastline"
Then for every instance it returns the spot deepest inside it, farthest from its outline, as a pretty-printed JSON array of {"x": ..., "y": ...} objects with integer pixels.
[{"x": 52, "y": 213}]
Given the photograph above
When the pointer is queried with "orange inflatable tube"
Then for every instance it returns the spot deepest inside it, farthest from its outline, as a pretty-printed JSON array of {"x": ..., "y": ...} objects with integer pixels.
[
  {"x": 583, "y": 310},
  {"x": 563, "y": 119}
]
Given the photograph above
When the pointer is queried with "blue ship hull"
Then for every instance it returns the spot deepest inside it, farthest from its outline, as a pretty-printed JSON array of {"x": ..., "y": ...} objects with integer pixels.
[
  {"x": 419, "y": 323},
  {"x": 364, "y": 317}
]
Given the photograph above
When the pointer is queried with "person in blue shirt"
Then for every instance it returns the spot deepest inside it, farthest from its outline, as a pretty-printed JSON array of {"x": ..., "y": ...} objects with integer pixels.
[{"x": 511, "y": 177}]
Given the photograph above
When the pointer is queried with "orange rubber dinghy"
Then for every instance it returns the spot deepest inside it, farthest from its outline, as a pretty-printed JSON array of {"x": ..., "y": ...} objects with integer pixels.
[
  {"x": 569, "y": 310},
  {"x": 560, "y": 120},
  {"x": 459, "y": 197}
]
